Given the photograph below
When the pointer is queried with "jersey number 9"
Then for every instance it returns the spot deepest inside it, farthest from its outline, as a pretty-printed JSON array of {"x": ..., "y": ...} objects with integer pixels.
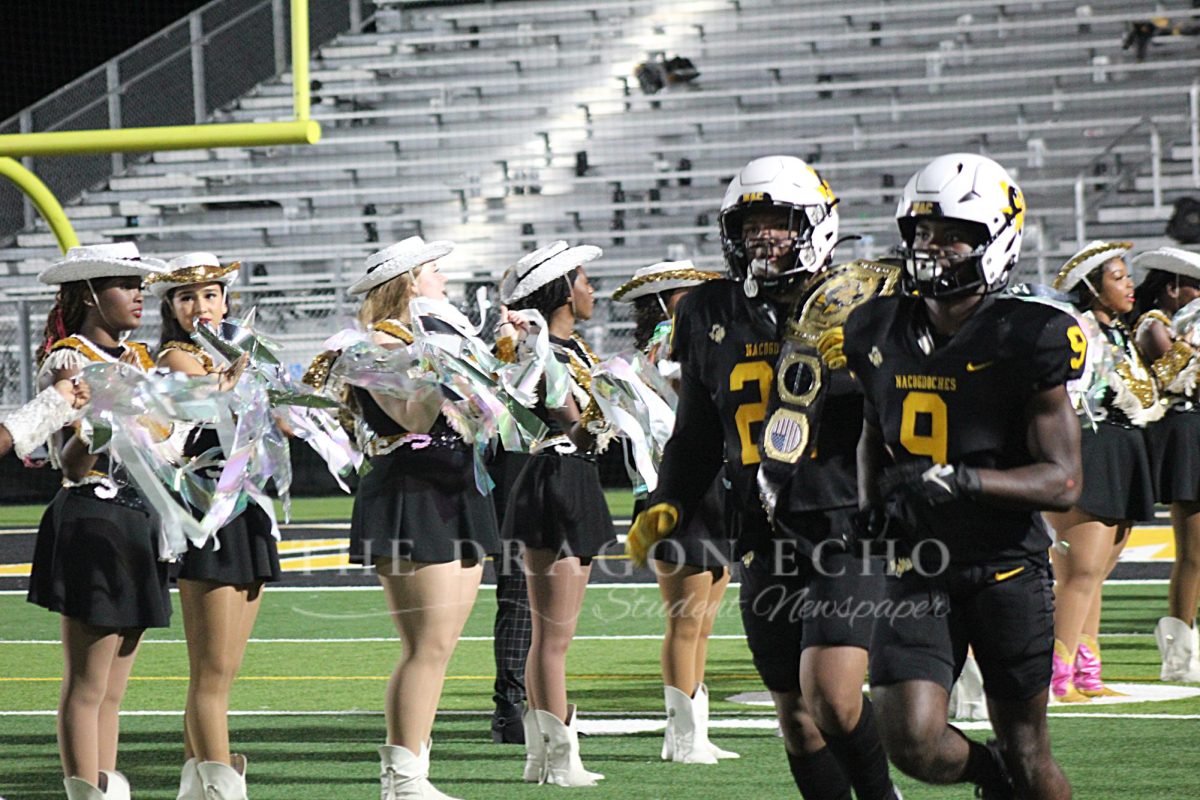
[{"x": 931, "y": 441}]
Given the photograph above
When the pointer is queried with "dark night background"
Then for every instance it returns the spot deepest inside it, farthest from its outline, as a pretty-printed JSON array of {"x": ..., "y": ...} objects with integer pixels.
[{"x": 45, "y": 44}]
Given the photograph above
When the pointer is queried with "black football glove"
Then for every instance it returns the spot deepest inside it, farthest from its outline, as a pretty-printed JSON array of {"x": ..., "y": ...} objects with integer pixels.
[
  {"x": 930, "y": 484},
  {"x": 910, "y": 493}
]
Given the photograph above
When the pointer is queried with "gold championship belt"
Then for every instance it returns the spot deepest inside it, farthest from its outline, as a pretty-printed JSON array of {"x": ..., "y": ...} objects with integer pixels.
[{"x": 810, "y": 353}]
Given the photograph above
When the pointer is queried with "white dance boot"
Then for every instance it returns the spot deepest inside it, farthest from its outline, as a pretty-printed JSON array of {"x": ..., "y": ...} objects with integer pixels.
[
  {"x": 563, "y": 765},
  {"x": 189, "y": 782},
  {"x": 404, "y": 776},
  {"x": 431, "y": 791},
  {"x": 79, "y": 789},
  {"x": 680, "y": 743},
  {"x": 220, "y": 781},
  {"x": 116, "y": 785},
  {"x": 535, "y": 747},
  {"x": 1179, "y": 648},
  {"x": 967, "y": 700},
  {"x": 700, "y": 708}
]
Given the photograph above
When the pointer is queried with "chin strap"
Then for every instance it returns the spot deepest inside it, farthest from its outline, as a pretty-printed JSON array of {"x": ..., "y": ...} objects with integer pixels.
[
  {"x": 1112, "y": 312},
  {"x": 122, "y": 335},
  {"x": 750, "y": 285},
  {"x": 662, "y": 304}
]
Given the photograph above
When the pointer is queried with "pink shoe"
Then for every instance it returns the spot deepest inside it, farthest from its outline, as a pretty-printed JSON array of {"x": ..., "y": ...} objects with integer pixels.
[
  {"x": 1087, "y": 670},
  {"x": 1062, "y": 685}
]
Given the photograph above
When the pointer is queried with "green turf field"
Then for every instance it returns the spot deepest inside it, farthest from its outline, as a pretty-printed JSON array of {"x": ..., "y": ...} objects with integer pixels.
[
  {"x": 304, "y": 509},
  {"x": 310, "y": 695}
]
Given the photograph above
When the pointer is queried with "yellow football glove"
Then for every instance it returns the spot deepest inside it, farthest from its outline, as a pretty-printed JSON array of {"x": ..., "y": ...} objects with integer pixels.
[
  {"x": 829, "y": 346},
  {"x": 652, "y": 525}
]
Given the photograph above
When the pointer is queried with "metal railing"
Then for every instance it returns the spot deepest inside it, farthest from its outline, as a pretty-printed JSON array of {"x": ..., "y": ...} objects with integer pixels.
[
  {"x": 1094, "y": 184},
  {"x": 179, "y": 76},
  {"x": 1194, "y": 130}
]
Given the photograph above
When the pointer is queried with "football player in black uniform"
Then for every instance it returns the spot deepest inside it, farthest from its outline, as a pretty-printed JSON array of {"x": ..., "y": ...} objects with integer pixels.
[
  {"x": 968, "y": 433},
  {"x": 778, "y": 227}
]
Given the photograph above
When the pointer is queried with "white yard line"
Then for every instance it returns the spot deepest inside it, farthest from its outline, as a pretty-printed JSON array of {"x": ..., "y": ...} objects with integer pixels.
[{"x": 385, "y": 639}]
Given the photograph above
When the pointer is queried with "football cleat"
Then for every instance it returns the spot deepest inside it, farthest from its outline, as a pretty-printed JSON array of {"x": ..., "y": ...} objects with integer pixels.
[{"x": 1002, "y": 788}]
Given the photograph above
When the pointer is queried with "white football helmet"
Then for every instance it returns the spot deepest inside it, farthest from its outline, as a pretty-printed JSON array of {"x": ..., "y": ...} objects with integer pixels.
[
  {"x": 789, "y": 184},
  {"x": 974, "y": 189}
]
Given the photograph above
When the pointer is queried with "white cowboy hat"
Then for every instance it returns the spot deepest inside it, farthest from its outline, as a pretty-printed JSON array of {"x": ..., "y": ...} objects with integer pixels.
[
  {"x": 191, "y": 268},
  {"x": 1170, "y": 259},
  {"x": 392, "y": 262},
  {"x": 1089, "y": 258},
  {"x": 535, "y": 270},
  {"x": 115, "y": 260},
  {"x": 665, "y": 276}
]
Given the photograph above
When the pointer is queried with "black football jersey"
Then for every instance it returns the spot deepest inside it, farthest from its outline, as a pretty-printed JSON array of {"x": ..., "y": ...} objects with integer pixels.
[
  {"x": 727, "y": 346},
  {"x": 964, "y": 402}
]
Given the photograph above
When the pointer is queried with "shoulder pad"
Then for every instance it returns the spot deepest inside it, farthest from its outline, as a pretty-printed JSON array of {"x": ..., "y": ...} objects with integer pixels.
[{"x": 837, "y": 292}]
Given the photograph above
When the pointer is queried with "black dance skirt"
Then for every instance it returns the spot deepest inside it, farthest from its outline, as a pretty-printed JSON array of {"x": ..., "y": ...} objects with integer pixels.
[
  {"x": 248, "y": 553},
  {"x": 1117, "y": 484},
  {"x": 422, "y": 505},
  {"x": 1174, "y": 444},
  {"x": 702, "y": 540},
  {"x": 96, "y": 561},
  {"x": 504, "y": 469},
  {"x": 556, "y": 503}
]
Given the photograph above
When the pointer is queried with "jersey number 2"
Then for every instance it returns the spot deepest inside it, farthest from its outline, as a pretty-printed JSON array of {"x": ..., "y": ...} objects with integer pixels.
[
  {"x": 749, "y": 413},
  {"x": 933, "y": 408}
]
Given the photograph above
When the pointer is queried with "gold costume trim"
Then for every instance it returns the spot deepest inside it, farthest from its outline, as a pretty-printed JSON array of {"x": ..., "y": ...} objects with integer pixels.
[
  {"x": 84, "y": 347},
  {"x": 203, "y": 273},
  {"x": 1141, "y": 388},
  {"x": 665, "y": 275},
  {"x": 506, "y": 349},
  {"x": 1086, "y": 253},
  {"x": 1168, "y": 366},
  {"x": 395, "y": 329},
  {"x": 191, "y": 349},
  {"x": 1157, "y": 315},
  {"x": 318, "y": 370}
]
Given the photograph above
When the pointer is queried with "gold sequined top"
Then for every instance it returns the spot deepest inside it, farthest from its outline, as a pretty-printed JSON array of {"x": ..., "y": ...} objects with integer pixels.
[
  {"x": 191, "y": 349},
  {"x": 1170, "y": 365},
  {"x": 1131, "y": 370},
  {"x": 581, "y": 359}
]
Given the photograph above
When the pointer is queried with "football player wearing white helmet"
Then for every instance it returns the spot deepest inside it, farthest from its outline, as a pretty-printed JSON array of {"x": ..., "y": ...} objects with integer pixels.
[
  {"x": 778, "y": 228},
  {"x": 779, "y": 224},
  {"x": 968, "y": 434},
  {"x": 961, "y": 219}
]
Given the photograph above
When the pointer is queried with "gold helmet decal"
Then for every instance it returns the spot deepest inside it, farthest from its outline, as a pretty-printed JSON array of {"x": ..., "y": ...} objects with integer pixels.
[
  {"x": 1016, "y": 206},
  {"x": 823, "y": 186}
]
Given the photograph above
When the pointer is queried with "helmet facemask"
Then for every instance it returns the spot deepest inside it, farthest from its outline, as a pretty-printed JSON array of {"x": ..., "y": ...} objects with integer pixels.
[
  {"x": 769, "y": 245},
  {"x": 952, "y": 267}
]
